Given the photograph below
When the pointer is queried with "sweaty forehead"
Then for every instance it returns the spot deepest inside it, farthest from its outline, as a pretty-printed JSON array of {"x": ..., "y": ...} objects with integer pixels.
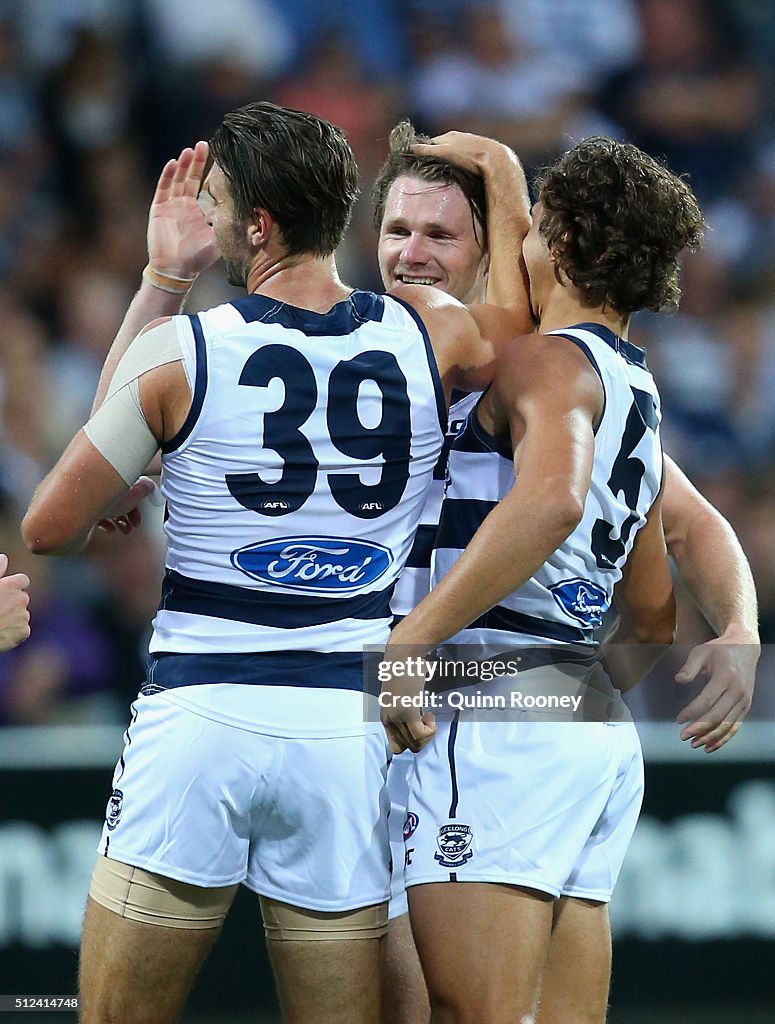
[{"x": 418, "y": 203}]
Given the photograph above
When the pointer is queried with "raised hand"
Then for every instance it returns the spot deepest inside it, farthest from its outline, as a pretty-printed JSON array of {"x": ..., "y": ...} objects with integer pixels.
[
  {"x": 180, "y": 241},
  {"x": 474, "y": 153}
]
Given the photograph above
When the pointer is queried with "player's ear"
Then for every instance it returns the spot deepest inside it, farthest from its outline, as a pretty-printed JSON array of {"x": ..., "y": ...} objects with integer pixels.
[
  {"x": 260, "y": 228},
  {"x": 556, "y": 251}
]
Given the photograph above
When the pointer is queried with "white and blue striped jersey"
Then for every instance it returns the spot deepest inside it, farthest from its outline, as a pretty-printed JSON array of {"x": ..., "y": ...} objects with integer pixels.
[
  {"x": 415, "y": 581},
  {"x": 293, "y": 490},
  {"x": 567, "y": 597}
]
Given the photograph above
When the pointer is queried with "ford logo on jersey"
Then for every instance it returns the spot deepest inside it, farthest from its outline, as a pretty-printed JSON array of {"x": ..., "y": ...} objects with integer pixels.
[
  {"x": 324, "y": 564},
  {"x": 582, "y": 599}
]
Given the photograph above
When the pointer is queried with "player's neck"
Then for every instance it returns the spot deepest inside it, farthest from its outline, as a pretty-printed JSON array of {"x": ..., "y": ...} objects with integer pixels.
[
  {"x": 562, "y": 309},
  {"x": 307, "y": 281}
]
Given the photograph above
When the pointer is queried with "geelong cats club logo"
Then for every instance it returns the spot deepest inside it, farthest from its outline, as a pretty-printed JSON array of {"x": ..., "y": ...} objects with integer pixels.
[
  {"x": 113, "y": 814},
  {"x": 453, "y": 842},
  {"x": 583, "y": 600}
]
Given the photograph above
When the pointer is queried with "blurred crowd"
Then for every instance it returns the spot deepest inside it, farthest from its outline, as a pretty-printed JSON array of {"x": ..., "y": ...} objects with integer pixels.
[{"x": 95, "y": 96}]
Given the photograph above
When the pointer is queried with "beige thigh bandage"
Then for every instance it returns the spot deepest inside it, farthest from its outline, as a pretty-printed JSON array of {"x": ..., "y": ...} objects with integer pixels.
[
  {"x": 139, "y": 895},
  {"x": 283, "y": 922}
]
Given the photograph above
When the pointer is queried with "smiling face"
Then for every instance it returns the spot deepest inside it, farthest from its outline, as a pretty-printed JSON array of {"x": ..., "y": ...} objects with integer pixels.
[{"x": 429, "y": 236}]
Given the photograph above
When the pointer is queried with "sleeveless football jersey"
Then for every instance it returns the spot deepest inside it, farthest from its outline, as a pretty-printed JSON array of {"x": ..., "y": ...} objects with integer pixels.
[
  {"x": 567, "y": 597},
  {"x": 293, "y": 490},
  {"x": 415, "y": 581}
]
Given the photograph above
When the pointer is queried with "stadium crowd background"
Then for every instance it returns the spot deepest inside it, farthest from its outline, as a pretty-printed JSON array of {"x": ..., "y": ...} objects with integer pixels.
[{"x": 96, "y": 95}]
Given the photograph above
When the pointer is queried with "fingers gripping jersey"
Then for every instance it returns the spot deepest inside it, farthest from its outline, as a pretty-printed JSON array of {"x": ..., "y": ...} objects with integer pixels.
[
  {"x": 566, "y": 599},
  {"x": 293, "y": 489}
]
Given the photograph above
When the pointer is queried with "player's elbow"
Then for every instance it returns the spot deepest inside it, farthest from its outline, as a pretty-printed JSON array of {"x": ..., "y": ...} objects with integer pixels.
[
  {"x": 666, "y": 621},
  {"x": 35, "y": 536},
  {"x": 654, "y": 624},
  {"x": 42, "y": 534},
  {"x": 663, "y": 629},
  {"x": 565, "y": 507}
]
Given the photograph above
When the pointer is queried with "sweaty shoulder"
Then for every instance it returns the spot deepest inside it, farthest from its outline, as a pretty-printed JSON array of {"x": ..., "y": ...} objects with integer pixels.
[
  {"x": 465, "y": 339},
  {"x": 539, "y": 361}
]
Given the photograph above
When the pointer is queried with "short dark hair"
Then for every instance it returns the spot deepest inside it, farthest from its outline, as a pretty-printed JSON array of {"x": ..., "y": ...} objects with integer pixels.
[
  {"x": 401, "y": 160},
  {"x": 295, "y": 165},
  {"x": 616, "y": 221}
]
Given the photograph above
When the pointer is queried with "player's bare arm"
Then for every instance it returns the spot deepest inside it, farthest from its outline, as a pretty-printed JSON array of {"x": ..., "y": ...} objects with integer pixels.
[
  {"x": 646, "y": 606},
  {"x": 508, "y": 214},
  {"x": 97, "y": 476},
  {"x": 181, "y": 244},
  {"x": 719, "y": 579},
  {"x": 547, "y": 399}
]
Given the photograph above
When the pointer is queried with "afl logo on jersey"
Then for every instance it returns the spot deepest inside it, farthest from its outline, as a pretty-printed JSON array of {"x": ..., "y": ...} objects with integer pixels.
[
  {"x": 453, "y": 841},
  {"x": 314, "y": 564},
  {"x": 410, "y": 825},
  {"x": 582, "y": 600}
]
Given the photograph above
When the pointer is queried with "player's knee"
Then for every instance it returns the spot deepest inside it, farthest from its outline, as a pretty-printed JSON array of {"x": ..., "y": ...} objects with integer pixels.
[
  {"x": 140, "y": 895},
  {"x": 283, "y": 922}
]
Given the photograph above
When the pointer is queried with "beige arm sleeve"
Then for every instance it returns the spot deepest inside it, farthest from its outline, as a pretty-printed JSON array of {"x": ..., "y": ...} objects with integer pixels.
[{"x": 118, "y": 429}]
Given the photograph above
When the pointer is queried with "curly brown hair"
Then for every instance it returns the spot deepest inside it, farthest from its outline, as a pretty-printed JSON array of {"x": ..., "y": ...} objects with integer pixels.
[
  {"x": 616, "y": 221},
  {"x": 401, "y": 160}
]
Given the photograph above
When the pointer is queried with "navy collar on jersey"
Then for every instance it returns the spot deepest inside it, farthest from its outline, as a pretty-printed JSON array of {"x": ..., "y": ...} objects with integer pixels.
[
  {"x": 633, "y": 354},
  {"x": 343, "y": 318}
]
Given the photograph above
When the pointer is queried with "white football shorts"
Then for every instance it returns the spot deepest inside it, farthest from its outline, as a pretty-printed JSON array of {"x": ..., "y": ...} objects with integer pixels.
[
  {"x": 544, "y": 805},
  {"x": 301, "y": 820},
  {"x": 398, "y": 777}
]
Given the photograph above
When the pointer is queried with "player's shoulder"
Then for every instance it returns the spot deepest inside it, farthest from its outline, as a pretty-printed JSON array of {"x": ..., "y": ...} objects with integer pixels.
[
  {"x": 541, "y": 351},
  {"x": 447, "y": 321},
  {"x": 534, "y": 359},
  {"x": 424, "y": 297},
  {"x": 426, "y": 300},
  {"x": 160, "y": 321}
]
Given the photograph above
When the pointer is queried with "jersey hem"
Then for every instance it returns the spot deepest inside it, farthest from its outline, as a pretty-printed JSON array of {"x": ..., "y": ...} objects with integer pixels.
[
  {"x": 503, "y": 879},
  {"x": 398, "y": 906},
  {"x": 325, "y": 906},
  {"x": 361, "y": 728},
  {"x": 588, "y": 894},
  {"x": 174, "y": 873}
]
